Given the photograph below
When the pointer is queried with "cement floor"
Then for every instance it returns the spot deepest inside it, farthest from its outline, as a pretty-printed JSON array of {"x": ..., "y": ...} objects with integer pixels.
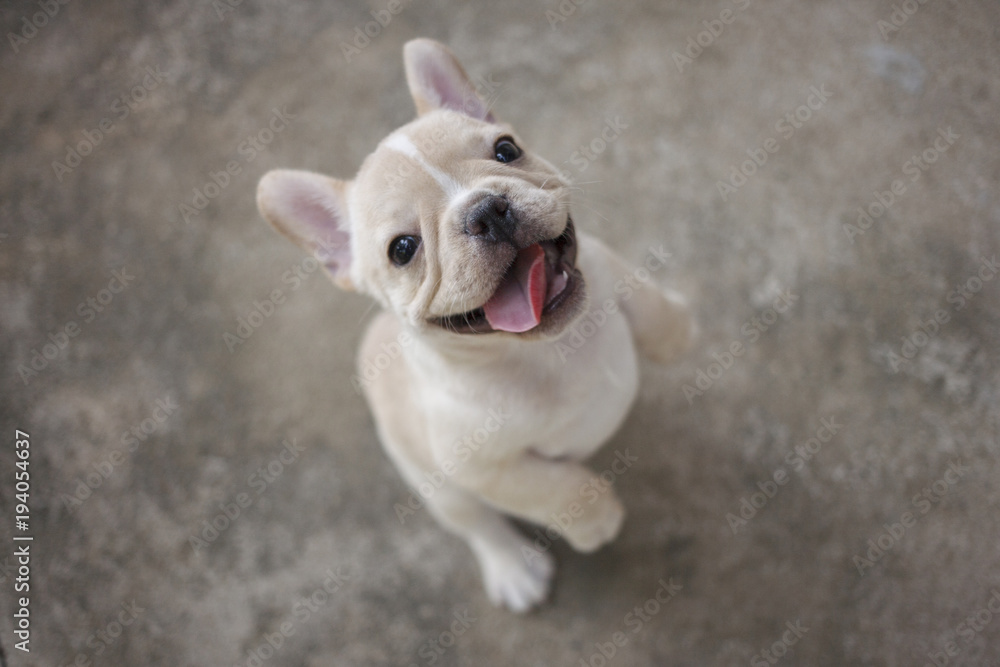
[{"x": 878, "y": 546}]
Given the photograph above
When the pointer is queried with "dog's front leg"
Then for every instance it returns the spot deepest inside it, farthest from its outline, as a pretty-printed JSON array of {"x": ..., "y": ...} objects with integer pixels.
[{"x": 556, "y": 493}]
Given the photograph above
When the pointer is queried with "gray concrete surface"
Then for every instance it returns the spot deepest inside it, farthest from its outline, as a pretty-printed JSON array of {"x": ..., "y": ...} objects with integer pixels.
[{"x": 155, "y": 357}]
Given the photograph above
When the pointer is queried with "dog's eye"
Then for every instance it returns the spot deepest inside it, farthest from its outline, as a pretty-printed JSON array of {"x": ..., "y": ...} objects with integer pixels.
[
  {"x": 403, "y": 248},
  {"x": 505, "y": 150}
]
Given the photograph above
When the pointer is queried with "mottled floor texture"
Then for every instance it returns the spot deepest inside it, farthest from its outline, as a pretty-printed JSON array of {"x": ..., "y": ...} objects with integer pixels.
[{"x": 828, "y": 496}]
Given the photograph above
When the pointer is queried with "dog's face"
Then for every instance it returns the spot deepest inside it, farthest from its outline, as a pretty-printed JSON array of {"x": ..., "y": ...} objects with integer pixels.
[
  {"x": 465, "y": 229},
  {"x": 451, "y": 222}
]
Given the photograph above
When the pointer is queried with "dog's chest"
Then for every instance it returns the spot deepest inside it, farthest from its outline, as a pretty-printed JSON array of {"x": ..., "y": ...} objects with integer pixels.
[{"x": 582, "y": 396}]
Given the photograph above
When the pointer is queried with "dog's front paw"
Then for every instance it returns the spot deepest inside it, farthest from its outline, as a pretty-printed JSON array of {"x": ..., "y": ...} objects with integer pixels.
[
  {"x": 599, "y": 524},
  {"x": 515, "y": 580}
]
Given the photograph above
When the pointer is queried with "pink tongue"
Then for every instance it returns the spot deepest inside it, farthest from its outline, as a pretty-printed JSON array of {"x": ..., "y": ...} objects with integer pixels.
[{"x": 516, "y": 306}]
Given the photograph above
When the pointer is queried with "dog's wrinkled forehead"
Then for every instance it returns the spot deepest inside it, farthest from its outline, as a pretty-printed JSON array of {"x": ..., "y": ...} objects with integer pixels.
[
  {"x": 402, "y": 143},
  {"x": 437, "y": 150}
]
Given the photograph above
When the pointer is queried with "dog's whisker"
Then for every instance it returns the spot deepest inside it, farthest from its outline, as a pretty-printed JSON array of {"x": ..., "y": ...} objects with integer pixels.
[
  {"x": 367, "y": 310},
  {"x": 594, "y": 209}
]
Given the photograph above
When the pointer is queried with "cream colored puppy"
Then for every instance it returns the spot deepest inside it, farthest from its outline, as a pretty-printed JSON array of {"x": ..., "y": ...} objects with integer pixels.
[{"x": 466, "y": 240}]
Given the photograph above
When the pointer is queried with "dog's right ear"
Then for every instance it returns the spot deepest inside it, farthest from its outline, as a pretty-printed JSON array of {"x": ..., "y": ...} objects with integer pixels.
[
  {"x": 438, "y": 81},
  {"x": 311, "y": 210}
]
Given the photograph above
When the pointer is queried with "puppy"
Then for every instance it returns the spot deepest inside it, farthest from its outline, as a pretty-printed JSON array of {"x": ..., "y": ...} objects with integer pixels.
[{"x": 489, "y": 402}]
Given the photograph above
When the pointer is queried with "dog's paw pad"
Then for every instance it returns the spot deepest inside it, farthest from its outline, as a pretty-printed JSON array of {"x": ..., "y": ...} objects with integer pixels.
[{"x": 518, "y": 582}]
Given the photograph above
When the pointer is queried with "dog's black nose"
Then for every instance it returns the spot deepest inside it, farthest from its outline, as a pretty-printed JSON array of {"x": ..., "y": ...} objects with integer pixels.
[{"x": 491, "y": 219}]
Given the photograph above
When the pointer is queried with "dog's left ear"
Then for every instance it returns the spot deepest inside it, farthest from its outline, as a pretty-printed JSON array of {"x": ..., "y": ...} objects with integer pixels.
[
  {"x": 311, "y": 210},
  {"x": 438, "y": 81}
]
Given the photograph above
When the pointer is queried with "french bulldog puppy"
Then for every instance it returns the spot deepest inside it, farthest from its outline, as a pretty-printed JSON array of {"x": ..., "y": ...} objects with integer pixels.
[{"x": 465, "y": 239}]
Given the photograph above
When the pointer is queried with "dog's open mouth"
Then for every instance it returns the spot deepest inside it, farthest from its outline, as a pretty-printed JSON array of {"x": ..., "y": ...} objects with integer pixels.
[{"x": 539, "y": 280}]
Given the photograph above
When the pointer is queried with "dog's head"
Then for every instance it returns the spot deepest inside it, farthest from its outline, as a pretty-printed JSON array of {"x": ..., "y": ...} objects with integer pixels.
[{"x": 451, "y": 222}]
